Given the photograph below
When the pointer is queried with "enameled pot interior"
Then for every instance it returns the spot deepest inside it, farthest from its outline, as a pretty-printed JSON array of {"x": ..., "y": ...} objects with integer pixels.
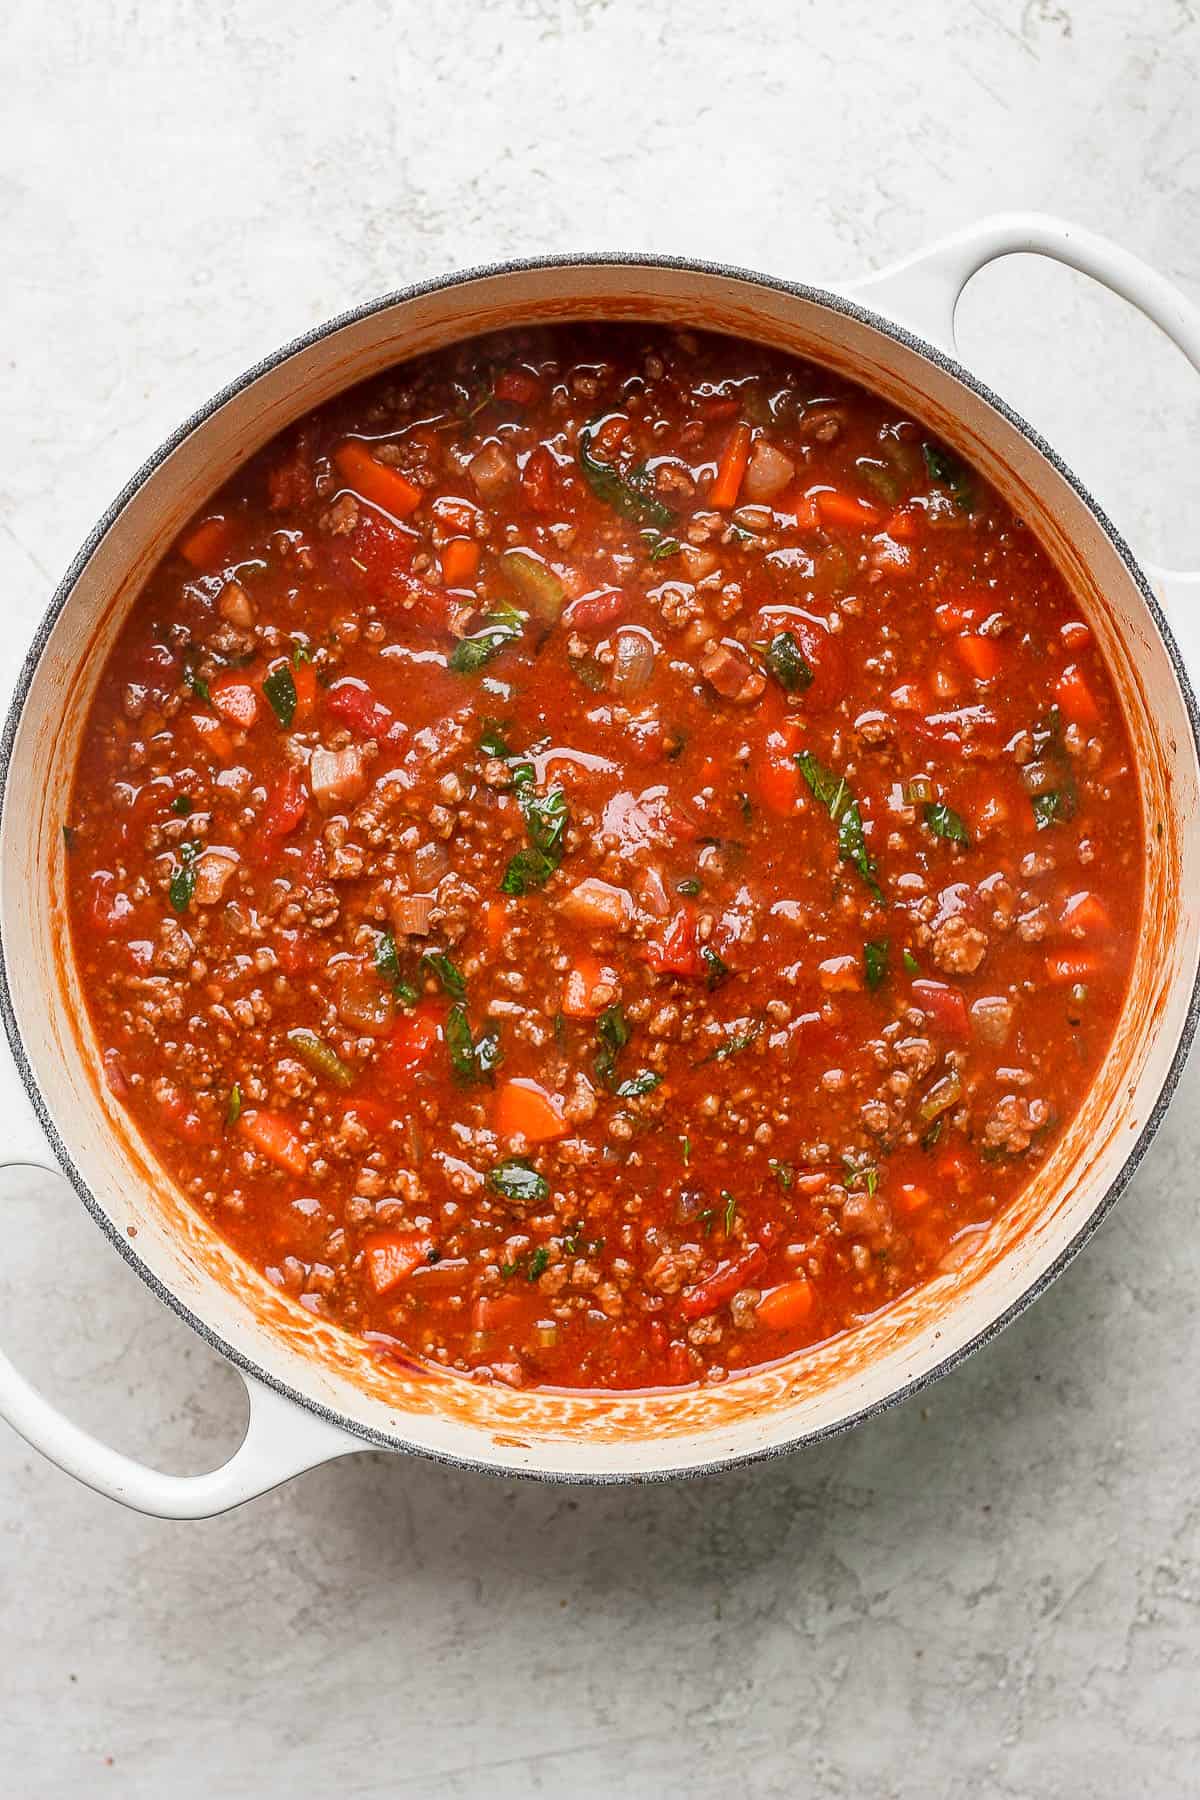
[{"x": 590, "y": 1436}]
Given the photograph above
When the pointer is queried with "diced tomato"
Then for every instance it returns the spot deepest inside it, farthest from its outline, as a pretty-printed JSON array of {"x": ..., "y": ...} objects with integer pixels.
[
  {"x": 272, "y": 1135},
  {"x": 236, "y": 701},
  {"x": 677, "y": 952},
  {"x": 524, "y": 1109},
  {"x": 411, "y": 1045},
  {"x": 374, "y": 554},
  {"x": 778, "y": 775},
  {"x": 375, "y": 481},
  {"x": 110, "y": 908},
  {"x": 1075, "y": 698},
  {"x": 1084, "y": 915},
  {"x": 182, "y": 1117},
  {"x": 455, "y": 515},
  {"x": 391, "y": 1256},
  {"x": 902, "y": 527},
  {"x": 982, "y": 656},
  {"x": 909, "y": 1198},
  {"x": 294, "y": 951},
  {"x": 540, "y": 481},
  {"x": 517, "y": 386},
  {"x": 943, "y": 1004},
  {"x": 351, "y": 702},
  {"x": 822, "y": 651},
  {"x": 286, "y": 805},
  {"x": 1075, "y": 634},
  {"x": 727, "y": 1279},
  {"x": 593, "y": 611},
  {"x": 460, "y": 562},
  {"x": 497, "y": 1312},
  {"x": 787, "y": 1307},
  {"x": 846, "y": 512},
  {"x": 1072, "y": 966},
  {"x": 955, "y": 615},
  {"x": 206, "y": 542},
  {"x": 679, "y": 1364}
]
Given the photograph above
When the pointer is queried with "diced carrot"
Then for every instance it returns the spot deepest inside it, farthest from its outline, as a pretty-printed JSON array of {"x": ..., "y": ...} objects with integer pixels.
[
  {"x": 525, "y": 1110},
  {"x": 1085, "y": 915},
  {"x": 944, "y": 1005},
  {"x": 954, "y": 615},
  {"x": 1075, "y": 698},
  {"x": 1075, "y": 965},
  {"x": 212, "y": 735},
  {"x": 731, "y": 467},
  {"x": 273, "y": 1137},
  {"x": 579, "y": 997},
  {"x": 236, "y": 701},
  {"x": 517, "y": 386},
  {"x": 1075, "y": 634},
  {"x": 287, "y": 803},
  {"x": 375, "y": 481},
  {"x": 460, "y": 562},
  {"x": 304, "y": 679},
  {"x": 910, "y": 1198},
  {"x": 982, "y": 656},
  {"x": 455, "y": 515},
  {"x": 203, "y": 544},
  {"x": 786, "y": 1307},
  {"x": 902, "y": 526},
  {"x": 495, "y": 924},
  {"x": 844, "y": 512},
  {"x": 393, "y": 1255},
  {"x": 801, "y": 506}
]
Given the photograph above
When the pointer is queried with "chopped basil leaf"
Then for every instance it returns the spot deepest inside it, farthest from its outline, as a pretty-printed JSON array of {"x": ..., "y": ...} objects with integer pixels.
[
  {"x": 787, "y": 662},
  {"x": 715, "y": 969},
  {"x": 469, "y": 1060},
  {"x": 503, "y": 625},
  {"x": 659, "y": 548},
  {"x": 492, "y": 741},
  {"x": 438, "y": 964},
  {"x": 944, "y": 822},
  {"x": 198, "y": 686},
  {"x": 685, "y": 1146},
  {"x": 545, "y": 818},
  {"x": 730, "y": 1211},
  {"x": 181, "y": 806},
  {"x": 1048, "y": 809},
  {"x": 733, "y": 1046},
  {"x": 301, "y": 652},
  {"x": 183, "y": 881},
  {"x": 783, "y": 1173},
  {"x": 689, "y": 886},
  {"x": 517, "y": 1181},
  {"x": 831, "y": 792},
  {"x": 527, "y": 869},
  {"x": 538, "y": 1262},
  {"x": 911, "y": 963},
  {"x": 643, "y": 1083},
  {"x": 933, "y": 1134},
  {"x": 614, "y": 490},
  {"x": 949, "y": 473},
  {"x": 746, "y": 806},
  {"x": 233, "y": 1111},
  {"x": 613, "y": 1033},
  {"x": 875, "y": 961},
  {"x": 280, "y": 690}
]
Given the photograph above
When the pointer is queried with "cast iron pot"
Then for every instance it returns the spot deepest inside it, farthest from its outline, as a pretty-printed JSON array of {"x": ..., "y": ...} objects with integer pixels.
[{"x": 313, "y": 1394}]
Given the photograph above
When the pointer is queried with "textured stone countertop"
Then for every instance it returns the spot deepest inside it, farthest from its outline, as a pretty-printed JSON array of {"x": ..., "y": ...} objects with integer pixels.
[{"x": 994, "y": 1589}]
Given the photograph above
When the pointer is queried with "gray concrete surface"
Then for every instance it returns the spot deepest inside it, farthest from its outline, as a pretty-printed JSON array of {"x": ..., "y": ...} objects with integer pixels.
[{"x": 995, "y": 1590}]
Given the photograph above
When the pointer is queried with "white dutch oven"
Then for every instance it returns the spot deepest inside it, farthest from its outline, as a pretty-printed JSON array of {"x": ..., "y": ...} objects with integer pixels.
[{"x": 313, "y": 1396}]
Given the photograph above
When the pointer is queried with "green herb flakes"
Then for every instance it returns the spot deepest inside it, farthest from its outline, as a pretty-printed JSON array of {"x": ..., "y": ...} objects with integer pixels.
[{"x": 280, "y": 689}]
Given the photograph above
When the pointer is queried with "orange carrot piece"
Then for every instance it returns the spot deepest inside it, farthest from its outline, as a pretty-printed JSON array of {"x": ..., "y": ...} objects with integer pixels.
[
  {"x": 1086, "y": 914},
  {"x": 460, "y": 562},
  {"x": 586, "y": 975},
  {"x": 843, "y": 512},
  {"x": 731, "y": 468},
  {"x": 786, "y": 1307},
  {"x": 274, "y": 1138},
  {"x": 525, "y": 1110},
  {"x": 393, "y": 1255},
  {"x": 212, "y": 735},
  {"x": 982, "y": 656},
  {"x": 1075, "y": 698},
  {"x": 375, "y": 481},
  {"x": 902, "y": 527},
  {"x": 204, "y": 542},
  {"x": 1072, "y": 966},
  {"x": 304, "y": 680}
]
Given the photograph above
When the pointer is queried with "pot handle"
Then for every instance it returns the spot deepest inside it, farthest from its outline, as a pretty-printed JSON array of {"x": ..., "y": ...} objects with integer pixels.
[
  {"x": 923, "y": 291},
  {"x": 282, "y": 1438}
]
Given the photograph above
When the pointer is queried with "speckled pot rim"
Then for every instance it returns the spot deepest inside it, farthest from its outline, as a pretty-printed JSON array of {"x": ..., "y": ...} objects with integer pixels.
[{"x": 821, "y": 297}]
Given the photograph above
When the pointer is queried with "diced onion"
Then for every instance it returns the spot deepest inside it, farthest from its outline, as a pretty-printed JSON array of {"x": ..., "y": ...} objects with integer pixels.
[
  {"x": 943, "y": 1094},
  {"x": 633, "y": 661},
  {"x": 410, "y": 914}
]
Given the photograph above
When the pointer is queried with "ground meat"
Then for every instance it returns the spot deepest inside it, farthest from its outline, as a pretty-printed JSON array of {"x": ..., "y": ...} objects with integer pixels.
[
  {"x": 958, "y": 948},
  {"x": 1014, "y": 1122}
]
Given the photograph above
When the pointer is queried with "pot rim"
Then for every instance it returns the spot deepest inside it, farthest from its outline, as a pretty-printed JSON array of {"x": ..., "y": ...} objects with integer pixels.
[{"x": 823, "y": 297}]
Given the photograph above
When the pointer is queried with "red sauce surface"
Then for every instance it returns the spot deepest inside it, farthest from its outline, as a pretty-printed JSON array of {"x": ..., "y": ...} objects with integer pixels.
[{"x": 603, "y": 858}]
